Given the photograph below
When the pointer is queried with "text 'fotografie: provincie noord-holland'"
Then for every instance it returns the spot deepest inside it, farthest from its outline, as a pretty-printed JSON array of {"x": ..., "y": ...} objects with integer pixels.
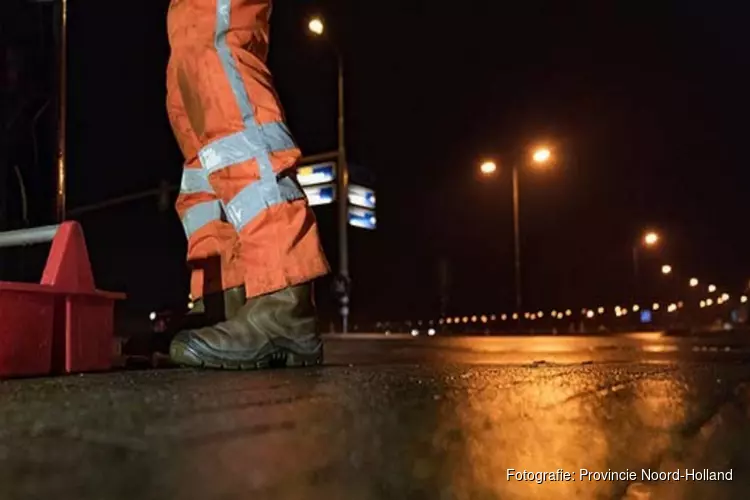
[{"x": 626, "y": 475}]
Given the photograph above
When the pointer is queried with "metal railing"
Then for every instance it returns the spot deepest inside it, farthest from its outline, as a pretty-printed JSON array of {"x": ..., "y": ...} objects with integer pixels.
[{"x": 31, "y": 236}]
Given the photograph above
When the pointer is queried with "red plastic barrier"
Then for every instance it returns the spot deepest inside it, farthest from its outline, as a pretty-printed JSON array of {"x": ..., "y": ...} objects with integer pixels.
[{"x": 63, "y": 324}]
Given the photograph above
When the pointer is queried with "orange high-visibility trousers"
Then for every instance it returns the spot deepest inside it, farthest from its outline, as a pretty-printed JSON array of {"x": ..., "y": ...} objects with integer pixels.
[{"x": 245, "y": 216}]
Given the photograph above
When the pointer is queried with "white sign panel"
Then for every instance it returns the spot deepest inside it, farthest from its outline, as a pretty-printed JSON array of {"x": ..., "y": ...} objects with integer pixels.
[
  {"x": 361, "y": 196},
  {"x": 362, "y": 218},
  {"x": 320, "y": 195},
  {"x": 320, "y": 173}
]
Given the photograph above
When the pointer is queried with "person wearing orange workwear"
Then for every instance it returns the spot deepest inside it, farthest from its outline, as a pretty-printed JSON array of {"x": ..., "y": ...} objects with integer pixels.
[{"x": 252, "y": 237}]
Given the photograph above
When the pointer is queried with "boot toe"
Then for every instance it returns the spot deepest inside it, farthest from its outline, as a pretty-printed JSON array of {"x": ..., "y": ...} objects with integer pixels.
[{"x": 182, "y": 351}]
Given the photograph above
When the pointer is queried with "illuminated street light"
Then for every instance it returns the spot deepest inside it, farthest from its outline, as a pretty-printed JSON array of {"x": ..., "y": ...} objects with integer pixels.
[
  {"x": 316, "y": 26},
  {"x": 541, "y": 155},
  {"x": 590, "y": 314},
  {"x": 672, "y": 308},
  {"x": 636, "y": 308},
  {"x": 694, "y": 282},
  {"x": 655, "y": 306},
  {"x": 711, "y": 288},
  {"x": 725, "y": 297},
  {"x": 515, "y": 315},
  {"x": 568, "y": 312},
  {"x": 488, "y": 167},
  {"x": 703, "y": 304},
  {"x": 650, "y": 239},
  {"x": 709, "y": 302},
  {"x": 600, "y": 310},
  {"x": 666, "y": 269},
  {"x": 504, "y": 317},
  {"x": 743, "y": 299},
  {"x": 540, "y": 314}
]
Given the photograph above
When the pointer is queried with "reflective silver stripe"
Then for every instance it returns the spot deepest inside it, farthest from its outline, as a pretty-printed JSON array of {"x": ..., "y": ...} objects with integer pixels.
[
  {"x": 195, "y": 180},
  {"x": 201, "y": 214},
  {"x": 252, "y": 200},
  {"x": 223, "y": 23},
  {"x": 246, "y": 145},
  {"x": 254, "y": 138}
]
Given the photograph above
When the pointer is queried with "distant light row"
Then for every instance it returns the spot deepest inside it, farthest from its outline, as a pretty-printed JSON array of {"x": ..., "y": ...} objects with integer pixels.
[{"x": 589, "y": 313}]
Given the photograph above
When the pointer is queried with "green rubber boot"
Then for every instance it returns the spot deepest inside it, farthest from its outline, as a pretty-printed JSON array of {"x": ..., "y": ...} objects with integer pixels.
[
  {"x": 278, "y": 329},
  {"x": 206, "y": 311}
]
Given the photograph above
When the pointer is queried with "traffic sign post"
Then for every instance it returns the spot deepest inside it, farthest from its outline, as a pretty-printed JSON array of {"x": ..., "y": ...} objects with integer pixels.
[{"x": 320, "y": 182}]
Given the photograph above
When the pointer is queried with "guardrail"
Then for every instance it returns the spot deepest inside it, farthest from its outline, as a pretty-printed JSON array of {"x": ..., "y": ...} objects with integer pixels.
[{"x": 31, "y": 236}]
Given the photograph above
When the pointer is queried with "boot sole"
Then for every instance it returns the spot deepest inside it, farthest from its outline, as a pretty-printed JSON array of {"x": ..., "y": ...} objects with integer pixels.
[
  {"x": 296, "y": 360},
  {"x": 185, "y": 355}
]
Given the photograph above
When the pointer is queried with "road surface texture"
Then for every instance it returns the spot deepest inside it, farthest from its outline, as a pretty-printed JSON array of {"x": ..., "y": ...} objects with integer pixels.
[{"x": 395, "y": 418}]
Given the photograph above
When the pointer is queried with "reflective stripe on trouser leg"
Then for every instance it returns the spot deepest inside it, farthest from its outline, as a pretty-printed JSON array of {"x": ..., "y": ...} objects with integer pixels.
[
  {"x": 212, "y": 242},
  {"x": 211, "y": 246},
  {"x": 245, "y": 144}
]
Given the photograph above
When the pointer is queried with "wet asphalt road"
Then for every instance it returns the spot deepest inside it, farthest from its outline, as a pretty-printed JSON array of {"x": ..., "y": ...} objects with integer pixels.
[{"x": 394, "y": 418}]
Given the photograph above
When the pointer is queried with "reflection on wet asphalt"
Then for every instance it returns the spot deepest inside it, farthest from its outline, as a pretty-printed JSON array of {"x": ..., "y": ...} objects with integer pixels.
[{"x": 438, "y": 423}]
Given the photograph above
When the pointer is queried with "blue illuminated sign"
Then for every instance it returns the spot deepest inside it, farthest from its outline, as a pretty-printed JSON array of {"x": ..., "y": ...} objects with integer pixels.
[
  {"x": 320, "y": 173},
  {"x": 361, "y": 196},
  {"x": 320, "y": 195},
  {"x": 646, "y": 316},
  {"x": 362, "y": 218}
]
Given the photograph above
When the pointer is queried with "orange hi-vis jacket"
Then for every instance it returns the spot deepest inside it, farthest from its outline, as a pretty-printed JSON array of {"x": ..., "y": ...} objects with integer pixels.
[{"x": 246, "y": 218}]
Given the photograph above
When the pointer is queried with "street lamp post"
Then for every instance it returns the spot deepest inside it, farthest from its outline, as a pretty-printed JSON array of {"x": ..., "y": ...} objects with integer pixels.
[
  {"x": 539, "y": 156},
  {"x": 60, "y": 34},
  {"x": 317, "y": 27},
  {"x": 60, "y": 30},
  {"x": 343, "y": 206},
  {"x": 62, "y": 118},
  {"x": 517, "y": 239}
]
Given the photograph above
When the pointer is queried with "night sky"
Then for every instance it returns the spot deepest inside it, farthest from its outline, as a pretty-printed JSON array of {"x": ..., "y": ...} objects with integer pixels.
[{"x": 646, "y": 107}]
